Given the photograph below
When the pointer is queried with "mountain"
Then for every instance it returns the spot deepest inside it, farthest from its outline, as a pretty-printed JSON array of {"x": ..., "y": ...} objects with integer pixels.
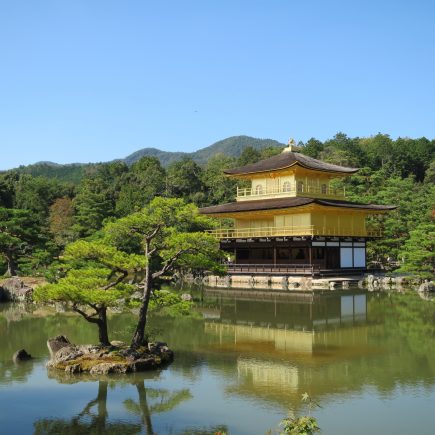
[
  {"x": 232, "y": 146},
  {"x": 165, "y": 157}
]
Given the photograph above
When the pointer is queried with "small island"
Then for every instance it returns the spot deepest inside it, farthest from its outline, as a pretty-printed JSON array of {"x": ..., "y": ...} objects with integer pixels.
[{"x": 103, "y": 360}]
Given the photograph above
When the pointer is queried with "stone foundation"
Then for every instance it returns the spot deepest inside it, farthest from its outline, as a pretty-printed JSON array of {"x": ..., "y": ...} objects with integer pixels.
[
  {"x": 302, "y": 283},
  {"x": 280, "y": 282}
]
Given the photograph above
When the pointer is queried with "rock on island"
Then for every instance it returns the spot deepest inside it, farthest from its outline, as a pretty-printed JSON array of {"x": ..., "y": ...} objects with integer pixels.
[{"x": 97, "y": 359}]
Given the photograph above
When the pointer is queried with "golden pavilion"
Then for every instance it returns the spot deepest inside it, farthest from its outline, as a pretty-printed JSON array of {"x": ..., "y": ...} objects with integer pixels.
[{"x": 292, "y": 220}]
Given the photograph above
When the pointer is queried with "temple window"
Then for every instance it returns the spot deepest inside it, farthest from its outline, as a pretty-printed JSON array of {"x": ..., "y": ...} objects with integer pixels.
[
  {"x": 258, "y": 189},
  {"x": 300, "y": 186},
  {"x": 323, "y": 189},
  {"x": 286, "y": 187}
]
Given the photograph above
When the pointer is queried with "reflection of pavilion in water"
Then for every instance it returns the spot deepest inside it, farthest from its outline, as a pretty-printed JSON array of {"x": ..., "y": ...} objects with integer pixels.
[
  {"x": 300, "y": 312},
  {"x": 281, "y": 340}
]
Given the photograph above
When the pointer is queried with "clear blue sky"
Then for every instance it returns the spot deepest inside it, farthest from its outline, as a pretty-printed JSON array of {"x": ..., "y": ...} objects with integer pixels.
[{"x": 94, "y": 80}]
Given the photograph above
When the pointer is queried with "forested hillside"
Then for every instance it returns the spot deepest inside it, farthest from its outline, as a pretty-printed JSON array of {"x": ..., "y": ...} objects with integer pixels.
[
  {"x": 232, "y": 146},
  {"x": 39, "y": 215},
  {"x": 73, "y": 173}
]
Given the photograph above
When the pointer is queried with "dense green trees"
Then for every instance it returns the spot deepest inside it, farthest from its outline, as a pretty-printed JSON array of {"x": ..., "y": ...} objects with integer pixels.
[
  {"x": 7, "y": 189},
  {"x": 402, "y": 157},
  {"x": 139, "y": 185},
  {"x": 248, "y": 155},
  {"x": 97, "y": 195},
  {"x": 61, "y": 221},
  {"x": 418, "y": 252},
  {"x": 37, "y": 194},
  {"x": 184, "y": 180},
  {"x": 19, "y": 235},
  {"x": 219, "y": 188}
]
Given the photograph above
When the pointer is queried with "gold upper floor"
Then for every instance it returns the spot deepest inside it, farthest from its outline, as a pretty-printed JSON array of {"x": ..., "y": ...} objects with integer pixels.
[
  {"x": 290, "y": 183},
  {"x": 287, "y": 189}
]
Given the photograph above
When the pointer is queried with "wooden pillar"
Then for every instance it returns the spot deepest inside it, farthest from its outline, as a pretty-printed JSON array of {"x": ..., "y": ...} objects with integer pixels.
[
  {"x": 310, "y": 252},
  {"x": 274, "y": 255}
]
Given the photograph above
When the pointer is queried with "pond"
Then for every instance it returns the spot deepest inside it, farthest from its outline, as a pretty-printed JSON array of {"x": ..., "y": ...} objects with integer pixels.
[{"x": 241, "y": 365}]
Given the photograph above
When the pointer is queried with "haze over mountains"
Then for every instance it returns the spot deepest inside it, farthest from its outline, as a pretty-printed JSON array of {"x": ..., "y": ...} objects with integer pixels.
[{"x": 73, "y": 172}]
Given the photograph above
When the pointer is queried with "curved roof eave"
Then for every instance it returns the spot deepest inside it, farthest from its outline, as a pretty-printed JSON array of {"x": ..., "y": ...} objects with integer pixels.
[
  {"x": 286, "y": 160},
  {"x": 292, "y": 202}
]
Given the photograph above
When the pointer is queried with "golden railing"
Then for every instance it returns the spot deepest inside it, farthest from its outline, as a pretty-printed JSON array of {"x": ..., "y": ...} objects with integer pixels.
[
  {"x": 308, "y": 230},
  {"x": 245, "y": 193}
]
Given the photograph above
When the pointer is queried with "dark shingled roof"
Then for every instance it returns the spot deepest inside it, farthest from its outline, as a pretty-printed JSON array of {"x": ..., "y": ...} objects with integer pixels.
[
  {"x": 285, "y": 160},
  {"x": 280, "y": 203}
]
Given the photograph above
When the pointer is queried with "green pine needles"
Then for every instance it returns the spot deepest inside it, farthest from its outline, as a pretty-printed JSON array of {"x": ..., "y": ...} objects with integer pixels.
[{"x": 129, "y": 256}]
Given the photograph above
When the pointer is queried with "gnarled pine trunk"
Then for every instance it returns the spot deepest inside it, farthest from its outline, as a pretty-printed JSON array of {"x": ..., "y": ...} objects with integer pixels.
[
  {"x": 99, "y": 318},
  {"x": 12, "y": 267},
  {"x": 103, "y": 335},
  {"x": 139, "y": 334}
]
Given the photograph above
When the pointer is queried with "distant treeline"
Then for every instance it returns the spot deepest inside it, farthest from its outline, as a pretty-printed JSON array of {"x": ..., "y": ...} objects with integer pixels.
[
  {"x": 73, "y": 173},
  {"x": 55, "y": 212}
]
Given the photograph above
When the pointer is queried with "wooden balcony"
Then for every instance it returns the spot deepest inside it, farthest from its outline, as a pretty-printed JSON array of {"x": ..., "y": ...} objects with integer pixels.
[
  {"x": 249, "y": 194},
  {"x": 308, "y": 230}
]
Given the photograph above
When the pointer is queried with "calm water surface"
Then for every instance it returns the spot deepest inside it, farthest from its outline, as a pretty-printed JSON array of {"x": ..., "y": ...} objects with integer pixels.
[{"x": 367, "y": 359}]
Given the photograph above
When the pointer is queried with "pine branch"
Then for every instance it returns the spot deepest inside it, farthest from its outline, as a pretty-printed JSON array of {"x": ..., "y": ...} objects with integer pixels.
[
  {"x": 152, "y": 252},
  {"x": 170, "y": 263},
  {"x": 89, "y": 318},
  {"x": 148, "y": 236},
  {"x": 153, "y": 233},
  {"x": 120, "y": 278}
]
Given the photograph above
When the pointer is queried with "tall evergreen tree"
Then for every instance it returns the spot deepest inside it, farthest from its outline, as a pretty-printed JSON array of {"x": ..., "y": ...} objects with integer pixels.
[
  {"x": 145, "y": 180},
  {"x": 184, "y": 179},
  {"x": 418, "y": 252},
  {"x": 97, "y": 196},
  {"x": 19, "y": 235},
  {"x": 219, "y": 187}
]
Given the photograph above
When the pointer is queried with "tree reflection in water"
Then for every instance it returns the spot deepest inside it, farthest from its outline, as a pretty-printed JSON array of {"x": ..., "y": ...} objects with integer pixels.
[
  {"x": 94, "y": 418},
  {"x": 161, "y": 401}
]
